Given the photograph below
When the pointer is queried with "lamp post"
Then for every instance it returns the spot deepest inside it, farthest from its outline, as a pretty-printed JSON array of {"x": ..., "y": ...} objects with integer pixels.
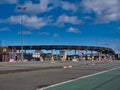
[{"x": 22, "y": 9}]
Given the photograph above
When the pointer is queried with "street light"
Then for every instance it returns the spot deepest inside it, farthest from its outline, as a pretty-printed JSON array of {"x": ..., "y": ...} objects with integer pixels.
[{"x": 22, "y": 9}]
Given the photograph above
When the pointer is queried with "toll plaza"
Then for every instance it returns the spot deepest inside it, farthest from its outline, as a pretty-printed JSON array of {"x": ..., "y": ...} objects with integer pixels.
[{"x": 80, "y": 53}]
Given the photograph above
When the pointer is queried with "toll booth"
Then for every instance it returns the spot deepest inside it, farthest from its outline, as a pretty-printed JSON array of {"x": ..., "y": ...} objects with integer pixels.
[
  {"x": 63, "y": 55},
  {"x": 5, "y": 54},
  {"x": 117, "y": 56},
  {"x": 36, "y": 55},
  {"x": 0, "y": 54}
]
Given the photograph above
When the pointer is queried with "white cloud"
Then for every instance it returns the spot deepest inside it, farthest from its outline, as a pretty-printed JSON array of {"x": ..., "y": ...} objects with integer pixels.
[
  {"x": 87, "y": 17},
  {"x": 4, "y": 29},
  {"x": 73, "y": 30},
  {"x": 31, "y": 22},
  {"x": 48, "y": 5},
  {"x": 68, "y": 19},
  {"x": 37, "y": 8},
  {"x": 105, "y": 10},
  {"x": 8, "y": 1},
  {"x": 69, "y": 6}
]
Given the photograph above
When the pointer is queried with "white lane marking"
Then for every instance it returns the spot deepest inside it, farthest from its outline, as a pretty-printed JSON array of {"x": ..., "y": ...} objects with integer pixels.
[{"x": 44, "y": 88}]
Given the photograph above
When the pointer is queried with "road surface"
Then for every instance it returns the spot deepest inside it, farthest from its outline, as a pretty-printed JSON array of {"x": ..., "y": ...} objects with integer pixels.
[{"x": 39, "y": 78}]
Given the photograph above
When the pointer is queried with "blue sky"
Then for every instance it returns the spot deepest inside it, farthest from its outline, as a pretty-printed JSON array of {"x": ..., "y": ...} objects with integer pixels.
[{"x": 61, "y": 22}]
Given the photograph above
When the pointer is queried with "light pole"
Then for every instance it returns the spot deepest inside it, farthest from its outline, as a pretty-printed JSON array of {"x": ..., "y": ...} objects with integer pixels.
[{"x": 22, "y": 9}]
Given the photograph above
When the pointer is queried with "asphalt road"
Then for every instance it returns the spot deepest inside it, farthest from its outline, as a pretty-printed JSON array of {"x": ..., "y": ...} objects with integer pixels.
[
  {"x": 34, "y": 79},
  {"x": 105, "y": 80}
]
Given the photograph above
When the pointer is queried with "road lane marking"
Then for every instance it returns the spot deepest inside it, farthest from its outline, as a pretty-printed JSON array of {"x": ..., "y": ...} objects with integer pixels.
[{"x": 44, "y": 88}]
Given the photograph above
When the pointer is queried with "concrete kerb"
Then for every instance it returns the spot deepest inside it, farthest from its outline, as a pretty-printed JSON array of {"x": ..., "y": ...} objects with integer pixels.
[
  {"x": 29, "y": 66},
  {"x": 32, "y": 66},
  {"x": 27, "y": 70}
]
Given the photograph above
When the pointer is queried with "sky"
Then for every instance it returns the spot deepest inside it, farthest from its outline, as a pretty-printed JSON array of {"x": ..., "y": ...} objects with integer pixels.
[{"x": 60, "y": 22}]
